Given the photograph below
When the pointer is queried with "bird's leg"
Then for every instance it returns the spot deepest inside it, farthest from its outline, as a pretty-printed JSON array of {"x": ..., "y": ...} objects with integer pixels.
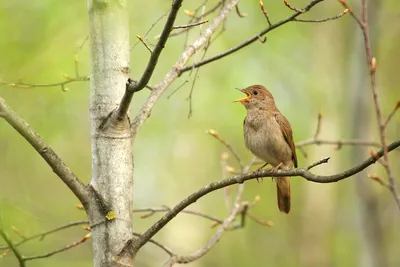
[
  {"x": 259, "y": 169},
  {"x": 274, "y": 169}
]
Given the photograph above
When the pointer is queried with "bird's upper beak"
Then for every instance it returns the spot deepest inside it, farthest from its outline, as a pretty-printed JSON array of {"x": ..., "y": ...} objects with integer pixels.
[{"x": 245, "y": 99}]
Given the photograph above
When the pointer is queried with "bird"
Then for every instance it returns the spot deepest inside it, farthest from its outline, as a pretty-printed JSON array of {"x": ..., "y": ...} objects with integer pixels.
[{"x": 268, "y": 135}]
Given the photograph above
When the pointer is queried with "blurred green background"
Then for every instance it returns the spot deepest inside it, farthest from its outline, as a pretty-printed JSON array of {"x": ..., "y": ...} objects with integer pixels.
[{"x": 309, "y": 68}]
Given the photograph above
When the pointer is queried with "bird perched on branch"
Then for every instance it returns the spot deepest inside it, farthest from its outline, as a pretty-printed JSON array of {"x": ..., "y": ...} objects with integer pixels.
[{"x": 268, "y": 135}]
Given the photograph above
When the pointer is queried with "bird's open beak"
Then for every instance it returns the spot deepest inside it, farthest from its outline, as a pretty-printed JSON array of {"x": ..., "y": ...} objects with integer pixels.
[{"x": 241, "y": 100}]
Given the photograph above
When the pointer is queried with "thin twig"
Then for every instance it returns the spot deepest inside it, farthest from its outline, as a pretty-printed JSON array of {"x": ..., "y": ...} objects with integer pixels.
[
  {"x": 379, "y": 180},
  {"x": 194, "y": 18},
  {"x": 224, "y": 173},
  {"x": 392, "y": 113},
  {"x": 239, "y": 179},
  {"x": 252, "y": 39},
  {"x": 189, "y": 25},
  {"x": 13, "y": 248},
  {"x": 259, "y": 221},
  {"x": 151, "y": 27},
  {"x": 240, "y": 14},
  {"x": 48, "y": 232},
  {"x": 158, "y": 244},
  {"x": 216, "y": 135},
  {"x": 67, "y": 247},
  {"x": 371, "y": 63},
  {"x": 264, "y": 11},
  {"x": 319, "y": 122},
  {"x": 62, "y": 84},
  {"x": 202, "y": 251},
  {"x": 339, "y": 143},
  {"x": 144, "y": 43},
  {"x": 344, "y": 12},
  {"x": 293, "y": 8},
  {"x": 152, "y": 211},
  {"x": 176, "y": 90}
]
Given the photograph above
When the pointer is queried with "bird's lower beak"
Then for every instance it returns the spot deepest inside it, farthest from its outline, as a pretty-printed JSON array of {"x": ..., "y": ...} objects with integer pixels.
[{"x": 241, "y": 100}]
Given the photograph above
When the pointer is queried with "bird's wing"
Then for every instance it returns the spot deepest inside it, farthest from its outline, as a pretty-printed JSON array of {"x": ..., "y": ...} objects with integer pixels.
[{"x": 287, "y": 134}]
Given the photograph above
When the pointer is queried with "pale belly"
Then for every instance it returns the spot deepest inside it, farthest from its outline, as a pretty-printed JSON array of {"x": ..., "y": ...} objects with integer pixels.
[{"x": 268, "y": 143}]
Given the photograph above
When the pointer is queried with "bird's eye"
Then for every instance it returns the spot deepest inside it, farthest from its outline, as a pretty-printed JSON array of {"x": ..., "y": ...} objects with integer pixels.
[{"x": 255, "y": 92}]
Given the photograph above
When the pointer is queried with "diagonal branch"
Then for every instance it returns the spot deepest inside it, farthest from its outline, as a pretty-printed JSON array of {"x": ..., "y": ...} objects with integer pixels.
[
  {"x": 151, "y": 65},
  {"x": 252, "y": 39},
  {"x": 48, "y": 154},
  {"x": 175, "y": 72},
  {"x": 10, "y": 244},
  {"x": 239, "y": 179},
  {"x": 48, "y": 232}
]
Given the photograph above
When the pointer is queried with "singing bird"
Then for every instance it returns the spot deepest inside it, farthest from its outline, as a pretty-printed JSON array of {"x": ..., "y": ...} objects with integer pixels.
[{"x": 268, "y": 135}]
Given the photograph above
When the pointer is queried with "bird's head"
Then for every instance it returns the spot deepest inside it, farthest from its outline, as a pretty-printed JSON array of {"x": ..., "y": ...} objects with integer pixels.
[{"x": 257, "y": 96}]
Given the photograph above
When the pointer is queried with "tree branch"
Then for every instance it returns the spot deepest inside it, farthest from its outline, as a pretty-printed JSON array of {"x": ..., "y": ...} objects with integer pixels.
[
  {"x": 371, "y": 63},
  {"x": 48, "y": 232},
  {"x": 239, "y": 179},
  {"x": 10, "y": 244},
  {"x": 216, "y": 237},
  {"x": 174, "y": 73},
  {"x": 48, "y": 154},
  {"x": 252, "y": 39},
  {"x": 151, "y": 65},
  {"x": 67, "y": 247}
]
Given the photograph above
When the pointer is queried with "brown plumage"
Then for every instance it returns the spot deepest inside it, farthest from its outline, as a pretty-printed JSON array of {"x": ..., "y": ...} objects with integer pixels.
[{"x": 268, "y": 135}]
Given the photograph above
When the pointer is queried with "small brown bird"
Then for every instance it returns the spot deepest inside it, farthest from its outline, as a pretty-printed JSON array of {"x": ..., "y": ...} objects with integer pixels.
[{"x": 268, "y": 135}]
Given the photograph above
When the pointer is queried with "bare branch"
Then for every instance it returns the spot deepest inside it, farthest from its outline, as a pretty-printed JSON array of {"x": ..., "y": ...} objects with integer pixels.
[
  {"x": 67, "y": 247},
  {"x": 292, "y": 7},
  {"x": 190, "y": 25},
  {"x": 152, "y": 211},
  {"x": 239, "y": 179},
  {"x": 344, "y": 12},
  {"x": 240, "y": 14},
  {"x": 265, "y": 13},
  {"x": 319, "y": 122},
  {"x": 41, "y": 236},
  {"x": 144, "y": 43},
  {"x": 252, "y": 39},
  {"x": 215, "y": 134},
  {"x": 45, "y": 151},
  {"x": 338, "y": 143},
  {"x": 62, "y": 84},
  {"x": 151, "y": 65},
  {"x": 371, "y": 63},
  {"x": 202, "y": 251},
  {"x": 396, "y": 107},
  {"x": 259, "y": 221},
  {"x": 13, "y": 248},
  {"x": 379, "y": 180},
  {"x": 174, "y": 73},
  {"x": 195, "y": 18},
  {"x": 151, "y": 27},
  {"x": 158, "y": 244}
]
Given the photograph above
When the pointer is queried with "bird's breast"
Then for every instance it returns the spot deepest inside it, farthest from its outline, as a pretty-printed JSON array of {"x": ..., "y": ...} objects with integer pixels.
[{"x": 264, "y": 138}]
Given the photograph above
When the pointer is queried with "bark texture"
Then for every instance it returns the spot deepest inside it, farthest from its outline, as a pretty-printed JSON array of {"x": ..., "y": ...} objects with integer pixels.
[{"x": 112, "y": 163}]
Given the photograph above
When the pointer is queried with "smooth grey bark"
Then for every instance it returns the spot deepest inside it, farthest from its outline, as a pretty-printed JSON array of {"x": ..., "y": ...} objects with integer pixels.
[{"x": 112, "y": 162}]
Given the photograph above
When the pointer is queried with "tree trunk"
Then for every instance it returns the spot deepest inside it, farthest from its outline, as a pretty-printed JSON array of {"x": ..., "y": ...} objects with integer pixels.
[{"x": 112, "y": 162}]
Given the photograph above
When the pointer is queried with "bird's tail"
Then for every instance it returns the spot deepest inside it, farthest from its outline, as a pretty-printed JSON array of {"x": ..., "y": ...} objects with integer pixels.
[{"x": 283, "y": 193}]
